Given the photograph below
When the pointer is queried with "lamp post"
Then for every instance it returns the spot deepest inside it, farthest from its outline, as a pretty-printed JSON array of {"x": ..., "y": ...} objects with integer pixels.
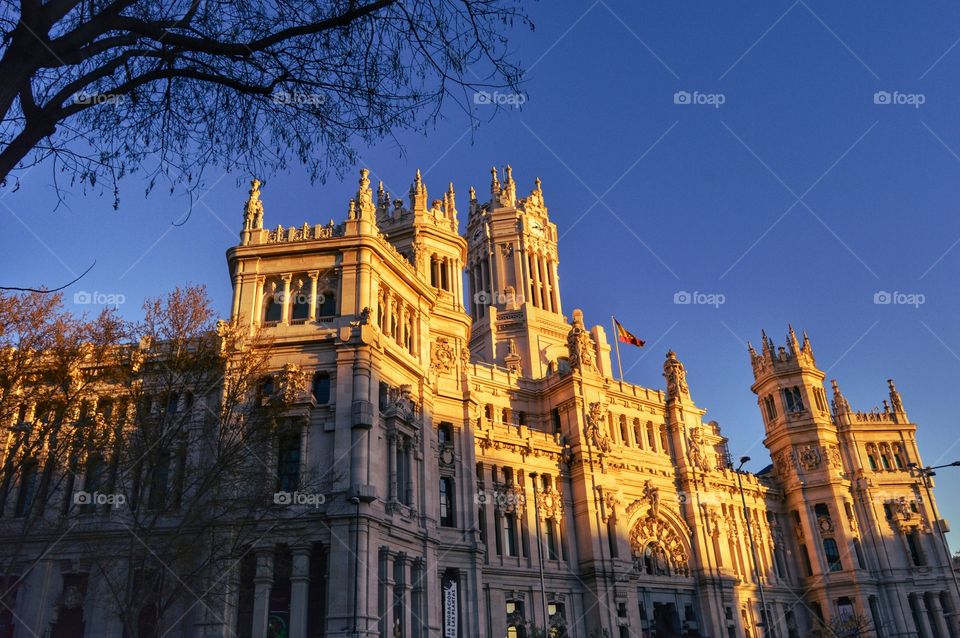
[
  {"x": 926, "y": 473},
  {"x": 753, "y": 549}
]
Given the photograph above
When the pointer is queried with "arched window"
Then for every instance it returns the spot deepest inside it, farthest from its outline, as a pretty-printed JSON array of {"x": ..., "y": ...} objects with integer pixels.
[
  {"x": 637, "y": 434},
  {"x": 664, "y": 447},
  {"x": 321, "y": 388},
  {"x": 327, "y": 304},
  {"x": 651, "y": 439},
  {"x": 832, "y": 555},
  {"x": 273, "y": 308},
  {"x": 624, "y": 433},
  {"x": 266, "y": 388},
  {"x": 300, "y": 299}
]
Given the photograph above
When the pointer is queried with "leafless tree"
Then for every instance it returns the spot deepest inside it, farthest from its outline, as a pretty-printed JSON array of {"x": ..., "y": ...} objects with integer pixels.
[{"x": 108, "y": 87}]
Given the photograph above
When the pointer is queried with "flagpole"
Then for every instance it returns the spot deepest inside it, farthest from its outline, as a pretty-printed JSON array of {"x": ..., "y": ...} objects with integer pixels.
[{"x": 616, "y": 342}]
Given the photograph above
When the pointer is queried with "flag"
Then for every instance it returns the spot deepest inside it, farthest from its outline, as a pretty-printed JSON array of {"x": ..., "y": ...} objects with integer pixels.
[{"x": 626, "y": 336}]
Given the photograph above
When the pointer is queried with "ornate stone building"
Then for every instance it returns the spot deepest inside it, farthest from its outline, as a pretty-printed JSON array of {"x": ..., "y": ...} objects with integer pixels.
[{"x": 493, "y": 476}]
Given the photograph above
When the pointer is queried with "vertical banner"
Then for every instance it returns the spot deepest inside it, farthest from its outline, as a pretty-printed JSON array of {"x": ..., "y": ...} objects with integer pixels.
[{"x": 451, "y": 608}]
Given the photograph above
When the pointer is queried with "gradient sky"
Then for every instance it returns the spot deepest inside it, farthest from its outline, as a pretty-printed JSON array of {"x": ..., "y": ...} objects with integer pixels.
[{"x": 797, "y": 200}]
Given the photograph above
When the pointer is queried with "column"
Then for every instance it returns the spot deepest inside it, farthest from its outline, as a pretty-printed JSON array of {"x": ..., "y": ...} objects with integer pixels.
[
  {"x": 314, "y": 275},
  {"x": 299, "y": 591},
  {"x": 936, "y": 613},
  {"x": 408, "y": 452},
  {"x": 285, "y": 315},
  {"x": 257, "y": 306},
  {"x": 556, "y": 287},
  {"x": 235, "y": 308},
  {"x": 262, "y": 582},
  {"x": 923, "y": 617}
]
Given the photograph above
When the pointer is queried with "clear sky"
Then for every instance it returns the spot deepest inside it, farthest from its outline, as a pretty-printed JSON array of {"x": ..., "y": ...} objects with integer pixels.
[{"x": 815, "y": 163}]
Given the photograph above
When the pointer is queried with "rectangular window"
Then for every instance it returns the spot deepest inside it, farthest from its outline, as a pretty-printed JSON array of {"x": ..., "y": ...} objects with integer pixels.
[
  {"x": 447, "y": 518},
  {"x": 916, "y": 554},
  {"x": 555, "y": 418},
  {"x": 159, "y": 481},
  {"x": 551, "y": 534},
  {"x": 832, "y": 555},
  {"x": 510, "y": 534},
  {"x": 288, "y": 463},
  {"x": 28, "y": 488}
]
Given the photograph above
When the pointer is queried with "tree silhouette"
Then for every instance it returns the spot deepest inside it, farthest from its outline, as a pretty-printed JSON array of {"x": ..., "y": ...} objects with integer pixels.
[{"x": 107, "y": 87}]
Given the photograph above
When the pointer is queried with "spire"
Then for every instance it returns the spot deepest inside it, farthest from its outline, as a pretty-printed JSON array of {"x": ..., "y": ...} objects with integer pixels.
[
  {"x": 767, "y": 344},
  {"x": 840, "y": 403},
  {"x": 383, "y": 199},
  {"x": 418, "y": 195},
  {"x": 895, "y": 401},
  {"x": 751, "y": 350},
  {"x": 792, "y": 341},
  {"x": 494, "y": 184},
  {"x": 450, "y": 205},
  {"x": 509, "y": 196}
]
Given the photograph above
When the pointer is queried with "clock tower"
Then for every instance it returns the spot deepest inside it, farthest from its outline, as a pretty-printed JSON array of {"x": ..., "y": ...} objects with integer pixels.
[{"x": 513, "y": 281}]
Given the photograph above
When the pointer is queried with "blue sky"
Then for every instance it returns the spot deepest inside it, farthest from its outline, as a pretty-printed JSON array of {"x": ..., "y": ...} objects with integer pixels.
[{"x": 797, "y": 199}]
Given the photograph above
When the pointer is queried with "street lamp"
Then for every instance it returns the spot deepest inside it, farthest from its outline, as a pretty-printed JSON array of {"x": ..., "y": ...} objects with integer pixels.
[
  {"x": 926, "y": 473},
  {"x": 753, "y": 548}
]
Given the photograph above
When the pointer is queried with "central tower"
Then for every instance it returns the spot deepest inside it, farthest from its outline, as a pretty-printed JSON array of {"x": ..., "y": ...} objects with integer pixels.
[{"x": 513, "y": 282}]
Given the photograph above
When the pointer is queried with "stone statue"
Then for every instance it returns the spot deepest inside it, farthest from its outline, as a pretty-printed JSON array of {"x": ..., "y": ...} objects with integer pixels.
[
  {"x": 253, "y": 210},
  {"x": 676, "y": 376},
  {"x": 695, "y": 449},
  {"x": 652, "y": 494},
  {"x": 580, "y": 344},
  {"x": 594, "y": 431}
]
